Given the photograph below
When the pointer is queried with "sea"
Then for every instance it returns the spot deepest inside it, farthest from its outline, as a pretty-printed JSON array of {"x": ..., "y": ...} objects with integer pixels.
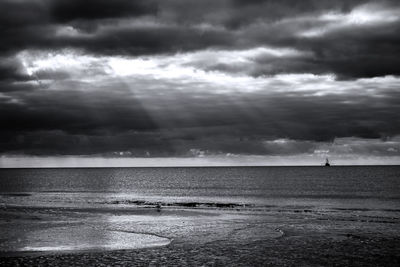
[
  {"x": 344, "y": 187},
  {"x": 200, "y": 216}
]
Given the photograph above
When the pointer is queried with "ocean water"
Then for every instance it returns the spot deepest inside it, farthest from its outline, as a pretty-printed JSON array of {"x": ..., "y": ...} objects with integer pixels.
[
  {"x": 108, "y": 209},
  {"x": 350, "y": 187}
]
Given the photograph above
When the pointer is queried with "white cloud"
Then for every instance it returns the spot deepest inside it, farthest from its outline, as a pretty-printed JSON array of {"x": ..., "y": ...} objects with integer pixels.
[
  {"x": 361, "y": 16},
  {"x": 188, "y": 73},
  {"x": 228, "y": 160}
]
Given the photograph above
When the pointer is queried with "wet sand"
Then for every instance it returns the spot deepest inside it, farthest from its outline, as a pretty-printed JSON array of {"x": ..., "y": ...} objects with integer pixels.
[{"x": 300, "y": 236}]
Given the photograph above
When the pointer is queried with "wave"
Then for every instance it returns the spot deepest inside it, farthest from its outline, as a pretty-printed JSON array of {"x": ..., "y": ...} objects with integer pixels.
[
  {"x": 241, "y": 206},
  {"x": 178, "y": 204},
  {"x": 335, "y": 196},
  {"x": 16, "y": 194}
]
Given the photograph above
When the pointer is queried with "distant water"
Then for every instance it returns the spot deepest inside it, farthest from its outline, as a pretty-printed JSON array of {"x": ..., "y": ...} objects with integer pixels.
[{"x": 353, "y": 187}]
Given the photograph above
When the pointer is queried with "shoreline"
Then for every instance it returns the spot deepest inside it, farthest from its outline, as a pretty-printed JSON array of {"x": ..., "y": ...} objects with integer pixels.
[
  {"x": 234, "y": 217},
  {"x": 286, "y": 251},
  {"x": 201, "y": 237}
]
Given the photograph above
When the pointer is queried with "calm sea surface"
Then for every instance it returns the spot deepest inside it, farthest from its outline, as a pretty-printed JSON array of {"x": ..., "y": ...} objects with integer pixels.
[{"x": 318, "y": 187}]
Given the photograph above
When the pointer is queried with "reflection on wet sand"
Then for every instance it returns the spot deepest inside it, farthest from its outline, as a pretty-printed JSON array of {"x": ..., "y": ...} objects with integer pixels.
[
  {"x": 280, "y": 236},
  {"x": 32, "y": 230},
  {"x": 78, "y": 238}
]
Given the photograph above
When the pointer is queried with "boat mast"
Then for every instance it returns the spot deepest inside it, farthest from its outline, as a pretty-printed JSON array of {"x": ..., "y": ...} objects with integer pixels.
[{"x": 327, "y": 162}]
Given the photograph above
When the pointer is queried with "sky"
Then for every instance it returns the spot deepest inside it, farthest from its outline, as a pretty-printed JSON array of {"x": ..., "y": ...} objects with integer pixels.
[{"x": 199, "y": 82}]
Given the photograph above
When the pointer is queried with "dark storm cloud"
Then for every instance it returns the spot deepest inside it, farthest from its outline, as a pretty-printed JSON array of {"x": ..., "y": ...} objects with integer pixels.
[
  {"x": 28, "y": 12},
  {"x": 179, "y": 26},
  {"x": 348, "y": 53},
  {"x": 147, "y": 41},
  {"x": 10, "y": 73},
  {"x": 246, "y": 12},
  {"x": 74, "y": 122},
  {"x": 68, "y": 10},
  {"x": 32, "y": 24},
  {"x": 77, "y": 117},
  {"x": 73, "y": 111},
  {"x": 379, "y": 52},
  {"x": 235, "y": 14},
  {"x": 103, "y": 123}
]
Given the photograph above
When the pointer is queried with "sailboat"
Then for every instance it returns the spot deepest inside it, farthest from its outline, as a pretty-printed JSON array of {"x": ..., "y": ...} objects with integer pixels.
[{"x": 327, "y": 164}]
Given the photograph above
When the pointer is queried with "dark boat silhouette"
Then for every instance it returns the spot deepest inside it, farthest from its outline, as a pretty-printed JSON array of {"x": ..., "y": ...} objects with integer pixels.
[{"x": 327, "y": 164}]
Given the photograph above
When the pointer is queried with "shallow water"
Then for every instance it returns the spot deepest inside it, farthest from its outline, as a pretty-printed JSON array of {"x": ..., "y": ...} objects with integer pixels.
[
  {"x": 64, "y": 210},
  {"x": 82, "y": 237}
]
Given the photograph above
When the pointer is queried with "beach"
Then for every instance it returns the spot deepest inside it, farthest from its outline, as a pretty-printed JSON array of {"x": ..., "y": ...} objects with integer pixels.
[
  {"x": 95, "y": 229},
  {"x": 195, "y": 237}
]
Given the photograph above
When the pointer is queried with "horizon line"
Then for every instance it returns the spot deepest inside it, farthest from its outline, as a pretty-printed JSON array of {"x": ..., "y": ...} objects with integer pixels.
[{"x": 197, "y": 166}]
